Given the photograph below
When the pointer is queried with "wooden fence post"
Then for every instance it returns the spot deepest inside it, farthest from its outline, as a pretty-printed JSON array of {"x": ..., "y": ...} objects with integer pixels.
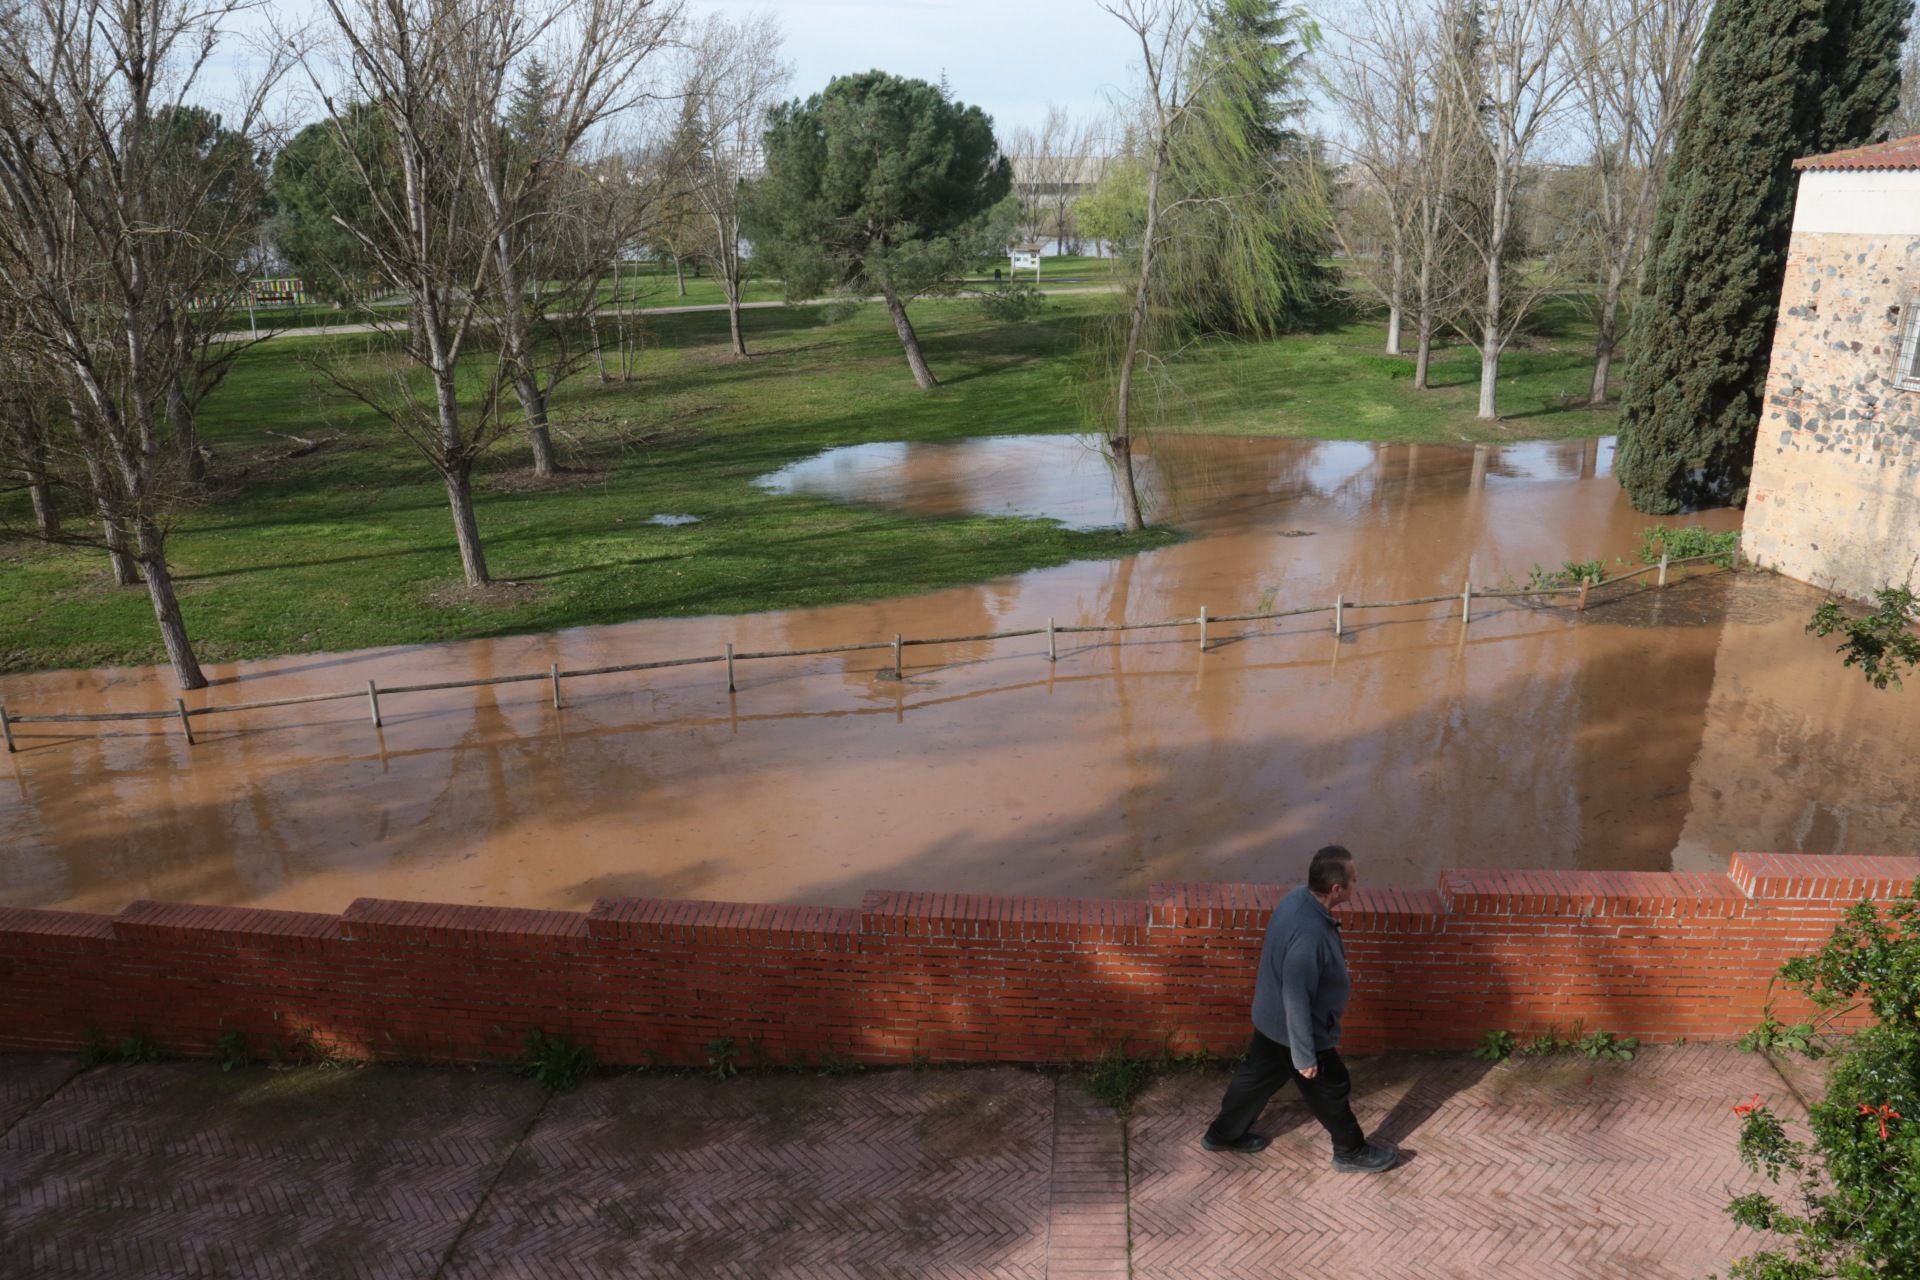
[
  {"x": 896, "y": 655},
  {"x": 373, "y": 702},
  {"x": 1339, "y": 606},
  {"x": 1466, "y": 602},
  {"x": 1053, "y": 654},
  {"x": 1203, "y": 628},
  {"x": 553, "y": 670},
  {"x": 6, "y": 730},
  {"x": 1585, "y": 582},
  {"x": 730, "y": 666},
  {"x": 1663, "y": 566},
  {"x": 180, "y": 704}
]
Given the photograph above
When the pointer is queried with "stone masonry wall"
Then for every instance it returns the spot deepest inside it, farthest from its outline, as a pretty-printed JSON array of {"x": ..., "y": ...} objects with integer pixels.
[
  {"x": 1835, "y": 498},
  {"x": 943, "y": 977}
]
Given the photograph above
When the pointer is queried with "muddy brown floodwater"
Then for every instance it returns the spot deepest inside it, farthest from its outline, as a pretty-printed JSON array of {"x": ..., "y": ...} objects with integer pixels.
[{"x": 1665, "y": 729}]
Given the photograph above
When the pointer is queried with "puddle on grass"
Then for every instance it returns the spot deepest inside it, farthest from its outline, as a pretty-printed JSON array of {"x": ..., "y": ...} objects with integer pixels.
[
  {"x": 1666, "y": 729},
  {"x": 673, "y": 520}
]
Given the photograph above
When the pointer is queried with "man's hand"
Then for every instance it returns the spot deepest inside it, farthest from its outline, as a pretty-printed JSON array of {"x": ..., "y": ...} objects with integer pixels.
[{"x": 1310, "y": 1072}]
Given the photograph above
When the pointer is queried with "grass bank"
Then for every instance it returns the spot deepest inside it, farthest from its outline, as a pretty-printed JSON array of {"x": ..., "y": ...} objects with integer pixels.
[{"x": 349, "y": 545}]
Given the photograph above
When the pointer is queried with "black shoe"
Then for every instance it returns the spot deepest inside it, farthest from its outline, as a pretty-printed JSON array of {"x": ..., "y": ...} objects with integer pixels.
[
  {"x": 1245, "y": 1144},
  {"x": 1375, "y": 1157}
]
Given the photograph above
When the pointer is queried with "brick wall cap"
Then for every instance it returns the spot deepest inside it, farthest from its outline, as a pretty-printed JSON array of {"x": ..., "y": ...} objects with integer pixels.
[{"x": 192, "y": 917}]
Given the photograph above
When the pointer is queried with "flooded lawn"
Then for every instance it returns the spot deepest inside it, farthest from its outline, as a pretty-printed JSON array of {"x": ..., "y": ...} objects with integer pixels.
[{"x": 1665, "y": 729}]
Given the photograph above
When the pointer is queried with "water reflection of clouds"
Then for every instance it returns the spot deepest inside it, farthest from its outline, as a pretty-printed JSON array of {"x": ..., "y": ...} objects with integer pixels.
[
  {"x": 1069, "y": 477},
  {"x": 1551, "y": 459}
]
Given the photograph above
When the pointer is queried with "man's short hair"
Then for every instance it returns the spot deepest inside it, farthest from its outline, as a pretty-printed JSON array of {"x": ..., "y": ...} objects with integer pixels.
[{"x": 1331, "y": 866}]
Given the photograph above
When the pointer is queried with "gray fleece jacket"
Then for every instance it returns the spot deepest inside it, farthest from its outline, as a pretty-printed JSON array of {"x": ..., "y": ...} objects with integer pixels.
[{"x": 1301, "y": 993}]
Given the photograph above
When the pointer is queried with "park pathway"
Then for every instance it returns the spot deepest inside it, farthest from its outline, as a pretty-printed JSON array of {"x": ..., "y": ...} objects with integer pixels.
[
  {"x": 1527, "y": 1170},
  {"x": 266, "y": 330}
]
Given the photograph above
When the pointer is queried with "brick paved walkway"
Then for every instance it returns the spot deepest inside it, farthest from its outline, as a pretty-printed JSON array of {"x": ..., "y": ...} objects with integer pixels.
[{"x": 1523, "y": 1171}]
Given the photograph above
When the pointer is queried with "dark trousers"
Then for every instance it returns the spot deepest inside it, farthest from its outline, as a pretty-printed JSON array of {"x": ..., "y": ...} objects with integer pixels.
[{"x": 1269, "y": 1065}]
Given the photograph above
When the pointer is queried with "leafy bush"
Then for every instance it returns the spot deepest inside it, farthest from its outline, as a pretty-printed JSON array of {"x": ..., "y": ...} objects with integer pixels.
[
  {"x": 1773, "y": 1036},
  {"x": 1687, "y": 541},
  {"x": 1116, "y": 1079},
  {"x": 1011, "y": 303},
  {"x": 231, "y": 1049},
  {"x": 722, "y": 1058},
  {"x": 1855, "y": 1211},
  {"x": 1495, "y": 1046},
  {"x": 132, "y": 1051},
  {"x": 554, "y": 1061},
  {"x": 1882, "y": 644},
  {"x": 1605, "y": 1044}
]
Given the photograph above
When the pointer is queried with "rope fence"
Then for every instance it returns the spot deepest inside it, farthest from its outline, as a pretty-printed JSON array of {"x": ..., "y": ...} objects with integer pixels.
[{"x": 553, "y": 675}]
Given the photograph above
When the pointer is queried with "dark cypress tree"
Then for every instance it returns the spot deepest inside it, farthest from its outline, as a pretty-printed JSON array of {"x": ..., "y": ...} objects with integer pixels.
[{"x": 1777, "y": 80}]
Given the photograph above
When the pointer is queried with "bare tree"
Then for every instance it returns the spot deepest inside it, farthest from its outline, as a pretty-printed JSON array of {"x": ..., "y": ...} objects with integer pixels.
[
  {"x": 1410, "y": 138},
  {"x": 534, "y": 77},
  {"x": 1167, "y": 32},
  {"x": 423, "y": 227},
  {"x": 1381, "y": 83},
  {"x": 1050, "y": 167},
  {"x": 1511, "y": 74},
  {"x": 28, "y": 392},
  {"x": 730, "y": 76},
  {"x": 1631, "y": 62},
  {"x": 101, "y": 240}
]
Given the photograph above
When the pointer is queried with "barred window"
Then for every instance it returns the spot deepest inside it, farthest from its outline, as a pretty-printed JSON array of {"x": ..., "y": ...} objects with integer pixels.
[{"x": 1910, "y": 349}]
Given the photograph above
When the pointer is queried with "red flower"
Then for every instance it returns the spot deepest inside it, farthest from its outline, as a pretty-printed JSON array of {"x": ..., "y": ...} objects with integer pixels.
[
  {"x": 1884, "y": 1112},
  {"x": 1748, "y": 1107}
]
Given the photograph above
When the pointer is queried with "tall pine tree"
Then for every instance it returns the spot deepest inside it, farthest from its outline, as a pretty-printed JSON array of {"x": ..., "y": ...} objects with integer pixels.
[{"x": 1777, "y": 80}]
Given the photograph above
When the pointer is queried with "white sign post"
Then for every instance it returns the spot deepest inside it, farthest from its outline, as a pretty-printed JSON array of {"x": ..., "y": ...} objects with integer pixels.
[{"x": 1025, "y": 259}]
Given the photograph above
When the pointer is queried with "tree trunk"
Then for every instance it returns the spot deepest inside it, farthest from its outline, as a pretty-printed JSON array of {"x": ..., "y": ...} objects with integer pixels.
[
  {"x": 739, "y": 339},
  {"x": 1394, "y": 302},
  {"x": 186, "y": 437},
  {"x": 1490, "y": 344},
  {"x": 533, "y": 403},
  {"x": 1122, "y": 441},
  {"x": 125, "y": 573},
  {"x": 679, "y": 275},
  {"x": 46, "y": 517},
  {"x": 466, "y": 526},
  {"x": 909, "y": 340},
  {"x": 1609, "y": 335},
  {"x": 599, "y": 352},
  {"x": 1423, "y": 358},
  {"x": 166, "y": 606}
]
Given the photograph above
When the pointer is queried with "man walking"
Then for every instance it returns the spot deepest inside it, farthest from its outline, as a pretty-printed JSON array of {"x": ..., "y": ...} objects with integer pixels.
[{"x": 1298, "y": 1001}]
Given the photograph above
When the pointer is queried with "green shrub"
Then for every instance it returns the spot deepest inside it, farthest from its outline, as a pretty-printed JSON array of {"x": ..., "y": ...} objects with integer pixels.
[
  {"x": 1687, "y": 541},
  {"x": 722, "y": 1058},
  {"x": 839, "y": 1064},
  {"x": 1116, "y": 1079},
  {"x": 1605, "y": 1044},
  {"x": 1855, "y": 1206},
  {"x": 1011, "y": 303},
  {"x": 1495, "y": 1046},
  {"x": 1882, "y": 644},
  {"x": 230, "y": 1049},
  {"x": 554, "y": 1062}
]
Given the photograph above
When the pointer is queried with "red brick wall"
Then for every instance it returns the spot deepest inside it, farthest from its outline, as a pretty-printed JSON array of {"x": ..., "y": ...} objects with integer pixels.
[{"x": 946, "y": 976}]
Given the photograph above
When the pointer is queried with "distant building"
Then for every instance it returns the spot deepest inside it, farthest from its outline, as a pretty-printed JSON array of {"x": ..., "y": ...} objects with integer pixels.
[
  {"x": 1039, "y": 177},
  {"x": 1835, "y": 494}
]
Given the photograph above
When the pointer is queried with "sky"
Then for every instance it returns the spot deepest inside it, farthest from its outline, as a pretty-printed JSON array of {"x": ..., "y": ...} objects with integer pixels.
[{"x": 1008, "y": 57}]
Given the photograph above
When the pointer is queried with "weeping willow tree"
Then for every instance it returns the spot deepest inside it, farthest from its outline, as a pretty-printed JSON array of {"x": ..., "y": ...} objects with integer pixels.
[{"x": 1221, "y": 205}]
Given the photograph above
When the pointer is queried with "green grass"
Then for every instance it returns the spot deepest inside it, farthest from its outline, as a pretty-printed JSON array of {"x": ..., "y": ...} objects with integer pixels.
[{"x": 351, "y": 545}]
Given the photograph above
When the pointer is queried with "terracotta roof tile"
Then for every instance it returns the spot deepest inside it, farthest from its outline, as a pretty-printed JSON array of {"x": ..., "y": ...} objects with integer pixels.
[{"x": 1899, "y": 153}]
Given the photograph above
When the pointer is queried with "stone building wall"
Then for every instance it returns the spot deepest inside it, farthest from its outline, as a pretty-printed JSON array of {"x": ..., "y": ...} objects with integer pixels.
[{"x": 1835, "y": 497}]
